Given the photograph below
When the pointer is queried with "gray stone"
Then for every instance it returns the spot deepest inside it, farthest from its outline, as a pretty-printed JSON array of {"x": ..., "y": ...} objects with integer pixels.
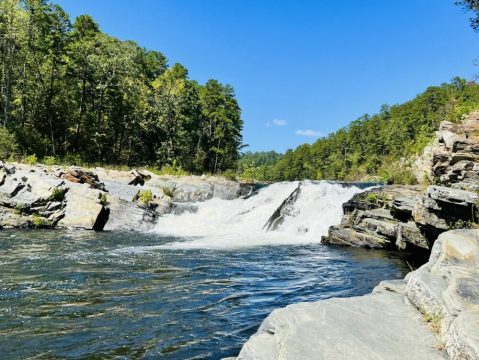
[{"x": 381, "y": 326}]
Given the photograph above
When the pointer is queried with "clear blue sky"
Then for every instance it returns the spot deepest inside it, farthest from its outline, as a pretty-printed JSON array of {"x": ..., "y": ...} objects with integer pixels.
[{"x": 300, "y": 68}]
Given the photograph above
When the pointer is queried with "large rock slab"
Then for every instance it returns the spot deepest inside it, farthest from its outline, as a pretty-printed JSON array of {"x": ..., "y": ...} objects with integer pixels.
[
  {"x": 381, "y": 326},
  {"x": 447, "y": 289}
]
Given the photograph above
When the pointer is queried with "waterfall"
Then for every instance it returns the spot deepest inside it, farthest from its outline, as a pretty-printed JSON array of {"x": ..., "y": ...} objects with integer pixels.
[{"x": 281, "y": 213}]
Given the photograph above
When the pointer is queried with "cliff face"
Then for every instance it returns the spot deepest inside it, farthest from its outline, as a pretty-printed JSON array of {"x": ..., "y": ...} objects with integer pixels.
[{"x": 409, "y": 217}]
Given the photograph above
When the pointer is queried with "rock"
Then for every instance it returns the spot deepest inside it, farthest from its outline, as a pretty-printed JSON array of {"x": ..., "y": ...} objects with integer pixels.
[
  {"x": 452, "y": 196},
  {"x": 351, "y": 237},
  {"x": 446, "y": 289},
  {"x": 80, "y": 176},
  {"x": 84, "y": 210},
  {"x": 402, "y": 208},
  {"x": 380, "y": 326},
  {"x": 139, "y": 178},
  {"x": 125, "y": 215},
  {"x": 380, "y": 218},
  {"x": 285, "y": 209}
]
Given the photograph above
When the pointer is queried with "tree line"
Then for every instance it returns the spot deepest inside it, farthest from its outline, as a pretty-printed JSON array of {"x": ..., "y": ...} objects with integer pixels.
[
  {"x": 372, "y": 146},
  {"x": 70, "y": 91}
]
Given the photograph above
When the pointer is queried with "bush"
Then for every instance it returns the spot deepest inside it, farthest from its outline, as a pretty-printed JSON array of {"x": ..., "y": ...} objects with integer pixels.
[
  {"x": 8, "y": 144},
  {"x": 49, "y": 160},
  {"x": 39, "y": 222},
  {"x": 31, "y": 159},
  {"x": 103, "y": 199},
  {"x": 58, "y": 194},
  {"x": 396, "y": 173},
  {"x": 145, "y": 196},
  {"x": 229, "y": 175}
]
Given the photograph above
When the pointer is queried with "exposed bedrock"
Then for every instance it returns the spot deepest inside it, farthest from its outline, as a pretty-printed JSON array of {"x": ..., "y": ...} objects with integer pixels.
[
  {"x": 432, "y": 314},
  {"x": 285, "y": 209},
  {"x": 99, "y": 199}
]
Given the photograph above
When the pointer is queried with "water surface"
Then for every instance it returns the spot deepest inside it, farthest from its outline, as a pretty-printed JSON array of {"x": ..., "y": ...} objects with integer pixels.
[{"x": 85, "y": 295}]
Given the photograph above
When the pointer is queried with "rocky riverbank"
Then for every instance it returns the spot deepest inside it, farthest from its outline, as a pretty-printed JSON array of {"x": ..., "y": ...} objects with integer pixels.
[
  {"x": 434, "y": 312},
  {"x": 98, "y": 199}
]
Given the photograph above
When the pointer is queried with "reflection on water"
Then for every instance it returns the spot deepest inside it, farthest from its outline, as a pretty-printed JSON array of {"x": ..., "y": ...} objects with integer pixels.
[{"x": 124, "y": 296}]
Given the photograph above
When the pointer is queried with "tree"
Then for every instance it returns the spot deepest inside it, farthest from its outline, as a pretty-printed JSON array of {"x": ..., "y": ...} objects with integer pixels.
[{"x": 471, "y": 6}]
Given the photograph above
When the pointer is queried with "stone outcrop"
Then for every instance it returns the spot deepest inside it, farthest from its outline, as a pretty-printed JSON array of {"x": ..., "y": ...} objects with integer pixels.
[
  {"x": 380, "y": 218},
  {"x": 432, "y": 314},
  {"x": 404, "y": 217},
  {"x": 453, "y": 158},
  {"x": 409, "y": 218},
  {"x": 98, "y": 199},
  {"x": 446, "y": 291},
  {"x": 285, "y": 209}
]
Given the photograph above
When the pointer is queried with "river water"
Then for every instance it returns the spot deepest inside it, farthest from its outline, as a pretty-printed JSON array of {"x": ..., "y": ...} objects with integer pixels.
[{"x": 168, "y": 295}]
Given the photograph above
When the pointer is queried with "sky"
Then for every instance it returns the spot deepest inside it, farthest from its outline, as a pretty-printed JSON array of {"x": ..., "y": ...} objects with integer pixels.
[{"x": 300, "y": 69}]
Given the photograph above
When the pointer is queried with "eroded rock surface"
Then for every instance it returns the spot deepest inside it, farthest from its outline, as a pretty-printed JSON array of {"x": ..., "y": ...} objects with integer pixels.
[
  {"x": 98, "y": 199},
  {"x": 432, "y": 314}
]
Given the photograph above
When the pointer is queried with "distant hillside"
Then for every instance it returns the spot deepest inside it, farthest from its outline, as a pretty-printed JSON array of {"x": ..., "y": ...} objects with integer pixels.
[{"x": 379, "y": 145}]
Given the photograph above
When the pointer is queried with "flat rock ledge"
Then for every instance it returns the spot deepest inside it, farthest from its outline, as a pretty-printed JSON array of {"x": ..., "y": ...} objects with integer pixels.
[{"x": 432, "y": 314}]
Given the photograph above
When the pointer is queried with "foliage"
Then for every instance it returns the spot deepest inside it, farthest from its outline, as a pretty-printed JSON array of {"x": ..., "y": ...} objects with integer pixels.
[
  {"x": 145, "y": 196},
  {"x": 472, "y": 6},
  {"x": 173, "y": 170},
  {"x": 39, "y": 222},
  {"x": 21, "y": 209},
  {"x": 397, "y": 173},
  {"x": 374, "y": 145},
  {"x": 58, "y": 194},
  {"x": 104, "y": 199},
  {"x": 433, "y": 320},
  {"x": 8, "y": 144},
  {"x": 50, "y": 160},
  {"x": 31, "y": 159},
  {"x": 229, "y": 175},
  {"x": 70, "y": 91}
]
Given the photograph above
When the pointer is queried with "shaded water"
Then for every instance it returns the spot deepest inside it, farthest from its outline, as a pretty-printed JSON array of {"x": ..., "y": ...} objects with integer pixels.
[{"x": 92, "y": 295}]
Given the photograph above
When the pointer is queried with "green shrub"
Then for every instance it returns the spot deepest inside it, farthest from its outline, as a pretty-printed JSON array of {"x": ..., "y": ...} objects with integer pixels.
[
  {"x": 20, "y": 209},
  {"x": 8, "y": 144},
  {"x": 39, "y": 222},
  {"x": 49, "y": 160},
  {"x": 58, "y": 194},
  {"x": 31, "y": 160},
  {"x": 103, "y": 199},
  {"x": 145, "y": 196},
  {"x": 229, "y": 175},
  {"x": 396, "y": 173},
  {"x": 72, "y": 159}
]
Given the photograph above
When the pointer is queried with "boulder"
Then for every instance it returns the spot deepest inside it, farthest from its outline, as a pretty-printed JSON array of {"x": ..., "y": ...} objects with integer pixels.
[
  {"x": 125, "y": 215},
  {"x": 84, "y": 209},
  {"x": 77, "y": 175}
]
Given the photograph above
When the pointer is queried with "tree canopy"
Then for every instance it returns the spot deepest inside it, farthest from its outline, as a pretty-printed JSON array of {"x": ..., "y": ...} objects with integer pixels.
[
  {"x": 71, "y": 91},
  {"x": 372, "y": 145}
]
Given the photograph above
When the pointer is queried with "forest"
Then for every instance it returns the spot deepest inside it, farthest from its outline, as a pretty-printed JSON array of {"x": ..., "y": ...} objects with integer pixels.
[
  {"x": 69, "y": 92},
  {"x": 372, "y": 147}
]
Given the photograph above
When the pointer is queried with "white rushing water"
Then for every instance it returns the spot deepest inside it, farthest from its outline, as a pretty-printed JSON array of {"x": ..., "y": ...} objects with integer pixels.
[{"x": 240, "y": 222}]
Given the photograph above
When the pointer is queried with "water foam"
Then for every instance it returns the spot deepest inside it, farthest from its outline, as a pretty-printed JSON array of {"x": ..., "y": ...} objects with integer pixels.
[{"x": 236, "y": 223}]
